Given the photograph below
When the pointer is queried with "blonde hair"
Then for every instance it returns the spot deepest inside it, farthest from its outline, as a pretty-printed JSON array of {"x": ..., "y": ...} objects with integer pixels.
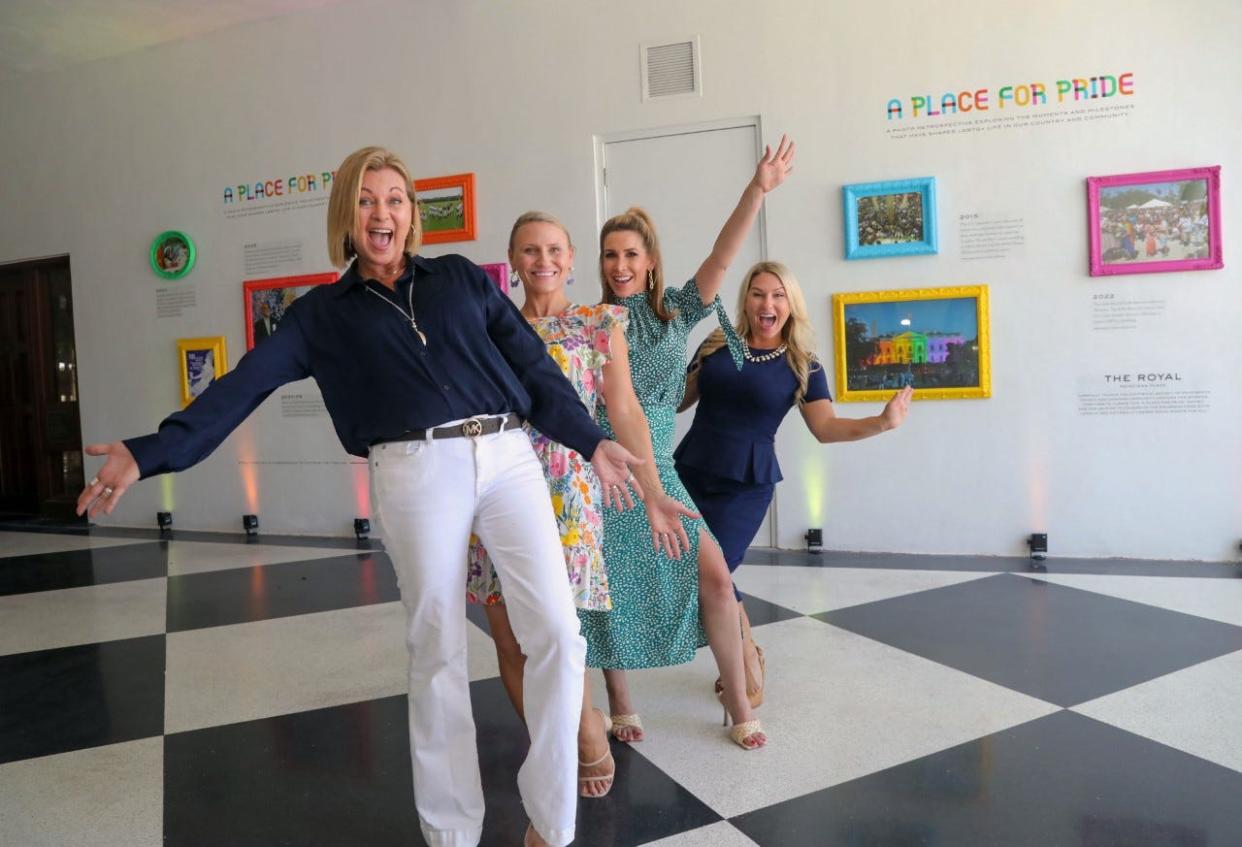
[
  {"x": 636, "y": 220},
  {"x": 537, "y": 217},
  {"x": 797, "y": 334},
  {"x": 343, "y": 202}
]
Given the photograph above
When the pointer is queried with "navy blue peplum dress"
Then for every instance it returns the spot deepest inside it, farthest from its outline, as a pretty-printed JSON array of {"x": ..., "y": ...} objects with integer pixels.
[{"x": 727, "y": 460}]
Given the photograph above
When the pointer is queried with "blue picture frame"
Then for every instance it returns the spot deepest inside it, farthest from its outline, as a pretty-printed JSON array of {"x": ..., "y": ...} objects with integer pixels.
[{"x": 867, "y": 238}]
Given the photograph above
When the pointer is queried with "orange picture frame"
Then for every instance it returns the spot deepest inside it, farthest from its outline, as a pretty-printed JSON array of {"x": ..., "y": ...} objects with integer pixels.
[{"x": 446, "y": 208}]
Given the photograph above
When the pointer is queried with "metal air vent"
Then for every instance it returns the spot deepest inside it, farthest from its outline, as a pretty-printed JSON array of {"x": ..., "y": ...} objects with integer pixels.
[{"x": 671, "y": 69}]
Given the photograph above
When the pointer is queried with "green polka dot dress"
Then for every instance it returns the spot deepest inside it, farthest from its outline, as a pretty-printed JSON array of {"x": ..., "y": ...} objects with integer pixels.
[{"x": 654, "y": 621}]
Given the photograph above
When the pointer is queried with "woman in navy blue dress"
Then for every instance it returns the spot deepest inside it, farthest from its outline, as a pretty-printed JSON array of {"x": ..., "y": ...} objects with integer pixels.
[{"x": 727, "y": 460}]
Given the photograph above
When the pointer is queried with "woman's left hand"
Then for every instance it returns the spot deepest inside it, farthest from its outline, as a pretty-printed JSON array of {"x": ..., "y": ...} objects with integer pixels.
[
  {"x": 664, "y": 513},
  {"x": 896, "y": 409},
  {"x": 612, "y": 464},
  {"x": 774, "y": 167}
]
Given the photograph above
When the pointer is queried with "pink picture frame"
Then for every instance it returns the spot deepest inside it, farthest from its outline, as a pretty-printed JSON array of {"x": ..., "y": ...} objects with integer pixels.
[
  {"x": 1155, "y": 222},
  {"x": 498, "y": 272}
]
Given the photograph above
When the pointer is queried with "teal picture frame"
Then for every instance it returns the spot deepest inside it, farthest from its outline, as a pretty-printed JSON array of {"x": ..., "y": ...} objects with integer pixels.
[
  {"x": 172, "y": 254},
  {"x": 882, "y": 219}
]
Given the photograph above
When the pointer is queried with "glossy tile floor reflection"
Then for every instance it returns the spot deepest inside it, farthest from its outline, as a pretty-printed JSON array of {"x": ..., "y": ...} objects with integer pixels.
[{"x": 207, "y": 691}]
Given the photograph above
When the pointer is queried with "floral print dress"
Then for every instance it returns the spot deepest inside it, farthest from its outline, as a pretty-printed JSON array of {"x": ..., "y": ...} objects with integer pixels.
[{"x": 578, "y": 339}]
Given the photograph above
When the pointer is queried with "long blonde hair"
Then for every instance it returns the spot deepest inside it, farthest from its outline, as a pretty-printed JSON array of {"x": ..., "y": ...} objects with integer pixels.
[
  {"x": 797, "y": 334},
  {"x": 637, "y": 220}
]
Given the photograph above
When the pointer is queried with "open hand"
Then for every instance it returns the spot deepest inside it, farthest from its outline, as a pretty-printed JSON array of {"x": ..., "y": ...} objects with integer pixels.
[
  {"x": 118, "y": 473},
  {"x": 612, "y": 464},
  {"x": 668, "y": 535},
  {"x": 896, "y": 409},
  {"x": 774, "y": 167}
]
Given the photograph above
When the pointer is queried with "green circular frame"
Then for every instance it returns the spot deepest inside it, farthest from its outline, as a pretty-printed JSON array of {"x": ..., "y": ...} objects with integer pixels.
[{"x": 159, "y": 241}]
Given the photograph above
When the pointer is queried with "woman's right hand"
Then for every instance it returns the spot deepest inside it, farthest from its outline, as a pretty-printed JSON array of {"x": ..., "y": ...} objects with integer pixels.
[
  {"x": 118, "y": 473},
  {"x": 668, "y": 534}
]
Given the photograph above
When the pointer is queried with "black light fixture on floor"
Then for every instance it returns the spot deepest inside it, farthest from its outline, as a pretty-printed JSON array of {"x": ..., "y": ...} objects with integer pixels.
[
  {"x": 250, "y": 523},
  {"x": 164, "y": 521},
  {"x": 1038, "y": 544},
  {"x": 362, "y": 528},
  {"x": 814, "y": 540}
]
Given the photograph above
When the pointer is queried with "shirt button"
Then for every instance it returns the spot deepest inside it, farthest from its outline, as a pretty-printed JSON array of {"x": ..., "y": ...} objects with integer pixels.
[{"x": 448, "y": 388}]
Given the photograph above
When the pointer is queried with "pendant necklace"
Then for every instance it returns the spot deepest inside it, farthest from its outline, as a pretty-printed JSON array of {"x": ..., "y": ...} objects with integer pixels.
[{"x": 409, "y": 317}]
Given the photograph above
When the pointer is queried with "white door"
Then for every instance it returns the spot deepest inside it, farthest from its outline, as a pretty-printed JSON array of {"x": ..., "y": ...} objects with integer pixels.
[{"x": 689, "y": 180}]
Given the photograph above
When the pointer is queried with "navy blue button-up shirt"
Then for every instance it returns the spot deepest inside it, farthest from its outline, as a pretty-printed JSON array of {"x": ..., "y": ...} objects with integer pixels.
[{"x": 378, "y": 378}]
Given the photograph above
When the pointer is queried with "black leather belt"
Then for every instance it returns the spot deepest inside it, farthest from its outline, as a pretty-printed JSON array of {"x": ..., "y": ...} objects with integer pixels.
[{"x": 466, "y": 429}]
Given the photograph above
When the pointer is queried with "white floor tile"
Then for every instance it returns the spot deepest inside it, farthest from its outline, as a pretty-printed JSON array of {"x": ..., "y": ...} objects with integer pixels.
[
  {"x": 43, "y": 620},
  {"x": 187, "y": 557},
  {"x": 814, "y": 590},
  {"x": 1215, "y": 599},
  {"x": 109, "y": 796},
  {"x": 839, "y": 706},
  {"x": 722, "y": 834},
  {"x": 1197, "y": 710},
  {"x": 236, "y": 673},
  {"x": 35, "y": 543}
]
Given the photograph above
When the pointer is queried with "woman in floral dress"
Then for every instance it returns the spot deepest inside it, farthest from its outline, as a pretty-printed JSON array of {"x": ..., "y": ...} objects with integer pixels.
[
  {"x": 588, "y": 342},
  {"x": 665, "y": 608}
]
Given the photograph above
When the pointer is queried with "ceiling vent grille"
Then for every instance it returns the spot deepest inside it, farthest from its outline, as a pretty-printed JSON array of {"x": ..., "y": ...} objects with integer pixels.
[{"x": 672, "y": 69}]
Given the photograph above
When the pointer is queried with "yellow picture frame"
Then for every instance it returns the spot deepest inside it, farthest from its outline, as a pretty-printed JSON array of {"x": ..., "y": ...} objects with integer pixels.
[
  {"x": 201, "y": 360},
  {"x": 935, "y": 339}
]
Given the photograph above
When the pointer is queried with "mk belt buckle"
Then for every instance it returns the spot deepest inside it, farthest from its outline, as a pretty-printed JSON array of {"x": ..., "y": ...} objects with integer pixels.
[{"x": 472, "y": 428}]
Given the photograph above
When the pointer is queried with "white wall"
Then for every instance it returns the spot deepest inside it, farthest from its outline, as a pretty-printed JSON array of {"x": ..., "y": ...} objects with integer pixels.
[{"x": 101, "y": 157}]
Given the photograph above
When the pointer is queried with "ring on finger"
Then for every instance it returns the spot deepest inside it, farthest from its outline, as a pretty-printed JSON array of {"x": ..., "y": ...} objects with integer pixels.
[
  {"x": 94, "y": 481},
  {"x": 107, "y": 492}
]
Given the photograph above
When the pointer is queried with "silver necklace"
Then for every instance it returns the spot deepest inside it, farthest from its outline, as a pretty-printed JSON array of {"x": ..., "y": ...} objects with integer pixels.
[
  {"x": 764, "y": 357},
  {"x": 410, "y": 316}
]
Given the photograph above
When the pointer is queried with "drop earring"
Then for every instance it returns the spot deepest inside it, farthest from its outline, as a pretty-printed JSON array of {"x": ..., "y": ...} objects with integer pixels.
[
  {"x": 515, "y": 281},
  {"x": 650, "y": 278},
  {"x": 570, "y": 279}
]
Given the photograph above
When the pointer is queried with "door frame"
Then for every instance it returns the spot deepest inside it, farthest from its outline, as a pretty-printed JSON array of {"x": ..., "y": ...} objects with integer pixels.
[{"x": 602, "y": 140}]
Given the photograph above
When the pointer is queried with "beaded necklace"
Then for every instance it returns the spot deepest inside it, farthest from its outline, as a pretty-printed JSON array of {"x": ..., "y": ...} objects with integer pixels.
[{"x": 763, "y": 357}]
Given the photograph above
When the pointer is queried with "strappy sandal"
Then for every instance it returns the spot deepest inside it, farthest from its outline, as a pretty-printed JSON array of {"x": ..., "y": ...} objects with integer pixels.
[
  {"x": 626, "y": 722},
  {"x": 606, "y": 778}
]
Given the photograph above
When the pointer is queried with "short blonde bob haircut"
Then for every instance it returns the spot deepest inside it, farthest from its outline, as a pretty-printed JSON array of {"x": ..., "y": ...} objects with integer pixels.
[{"x": 343, "y": 202}]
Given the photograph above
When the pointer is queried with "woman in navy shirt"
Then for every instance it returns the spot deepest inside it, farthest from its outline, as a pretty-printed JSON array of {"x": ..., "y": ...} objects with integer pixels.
[
  {"x": 727, "y": 460},
  {"x": 428, "y": 371}
]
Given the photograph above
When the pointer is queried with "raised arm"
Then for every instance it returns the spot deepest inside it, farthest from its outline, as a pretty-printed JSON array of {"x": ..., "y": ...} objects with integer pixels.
[
  {"x": 824, "y": 424},
  {"x": 769, "y": 173}
]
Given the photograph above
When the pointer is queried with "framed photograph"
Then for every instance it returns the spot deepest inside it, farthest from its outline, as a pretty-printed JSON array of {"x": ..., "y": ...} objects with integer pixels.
[
  {"x": 499, "y": 274},
  {"x": 202, "y": 360},
  {"x": 896, "y": 218},
  {"x": 934, "y": 339},
  {"x": 172, "y": 254},
  {"x": 1155, "y": 222},
  {"x": 446, "y": 208},
  {"x": 266, "y": 301}
]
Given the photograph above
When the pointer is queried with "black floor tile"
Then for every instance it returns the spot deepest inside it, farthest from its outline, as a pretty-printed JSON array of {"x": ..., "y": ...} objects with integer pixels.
[
  {"x": 760, "y": 611},
  {"x": 240, "y": 595},
  {"x": 54, "y": 701},
  {"x": 77, "y": 568},
  {"x": 1061, "y": 780},
  {"x": 1059, "y": 644},
  {"x": 341, "y": 776}
]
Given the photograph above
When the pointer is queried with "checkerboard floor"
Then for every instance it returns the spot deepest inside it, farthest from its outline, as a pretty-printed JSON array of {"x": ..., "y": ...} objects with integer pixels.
[{"x": 208, "y": 691}]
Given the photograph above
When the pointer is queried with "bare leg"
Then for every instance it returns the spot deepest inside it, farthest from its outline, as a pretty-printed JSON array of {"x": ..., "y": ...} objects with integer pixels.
[
  {"x": 592, "y": 747},
  {"x": 619, "y": 703},
  {"x": 719, "y": 611},
  {"x": 508, "y": 655}
]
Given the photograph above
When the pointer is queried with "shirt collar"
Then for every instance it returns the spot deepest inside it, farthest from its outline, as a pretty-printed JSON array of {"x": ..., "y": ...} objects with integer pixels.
[{"x": 352, "y": 278}]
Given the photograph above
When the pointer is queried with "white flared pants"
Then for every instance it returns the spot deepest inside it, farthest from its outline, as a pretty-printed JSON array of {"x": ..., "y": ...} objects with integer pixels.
[{"x": 429, "y": 496}]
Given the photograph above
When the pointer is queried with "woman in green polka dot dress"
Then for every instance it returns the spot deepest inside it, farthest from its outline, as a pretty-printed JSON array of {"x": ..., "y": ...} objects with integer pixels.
[{"x": 664, "y": 608}]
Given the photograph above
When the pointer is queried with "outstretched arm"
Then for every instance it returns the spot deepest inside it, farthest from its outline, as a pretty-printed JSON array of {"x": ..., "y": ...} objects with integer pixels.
[
  {"x": 824, "y": 424},
  {"x": 769, "y": 173}
]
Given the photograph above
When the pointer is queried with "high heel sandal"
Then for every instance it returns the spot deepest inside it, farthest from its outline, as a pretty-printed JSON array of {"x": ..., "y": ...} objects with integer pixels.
[
  {"x": 626, "y": 722},
  {"x": 739, "y": 732},
  {"x": 607, "y": 778}
]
